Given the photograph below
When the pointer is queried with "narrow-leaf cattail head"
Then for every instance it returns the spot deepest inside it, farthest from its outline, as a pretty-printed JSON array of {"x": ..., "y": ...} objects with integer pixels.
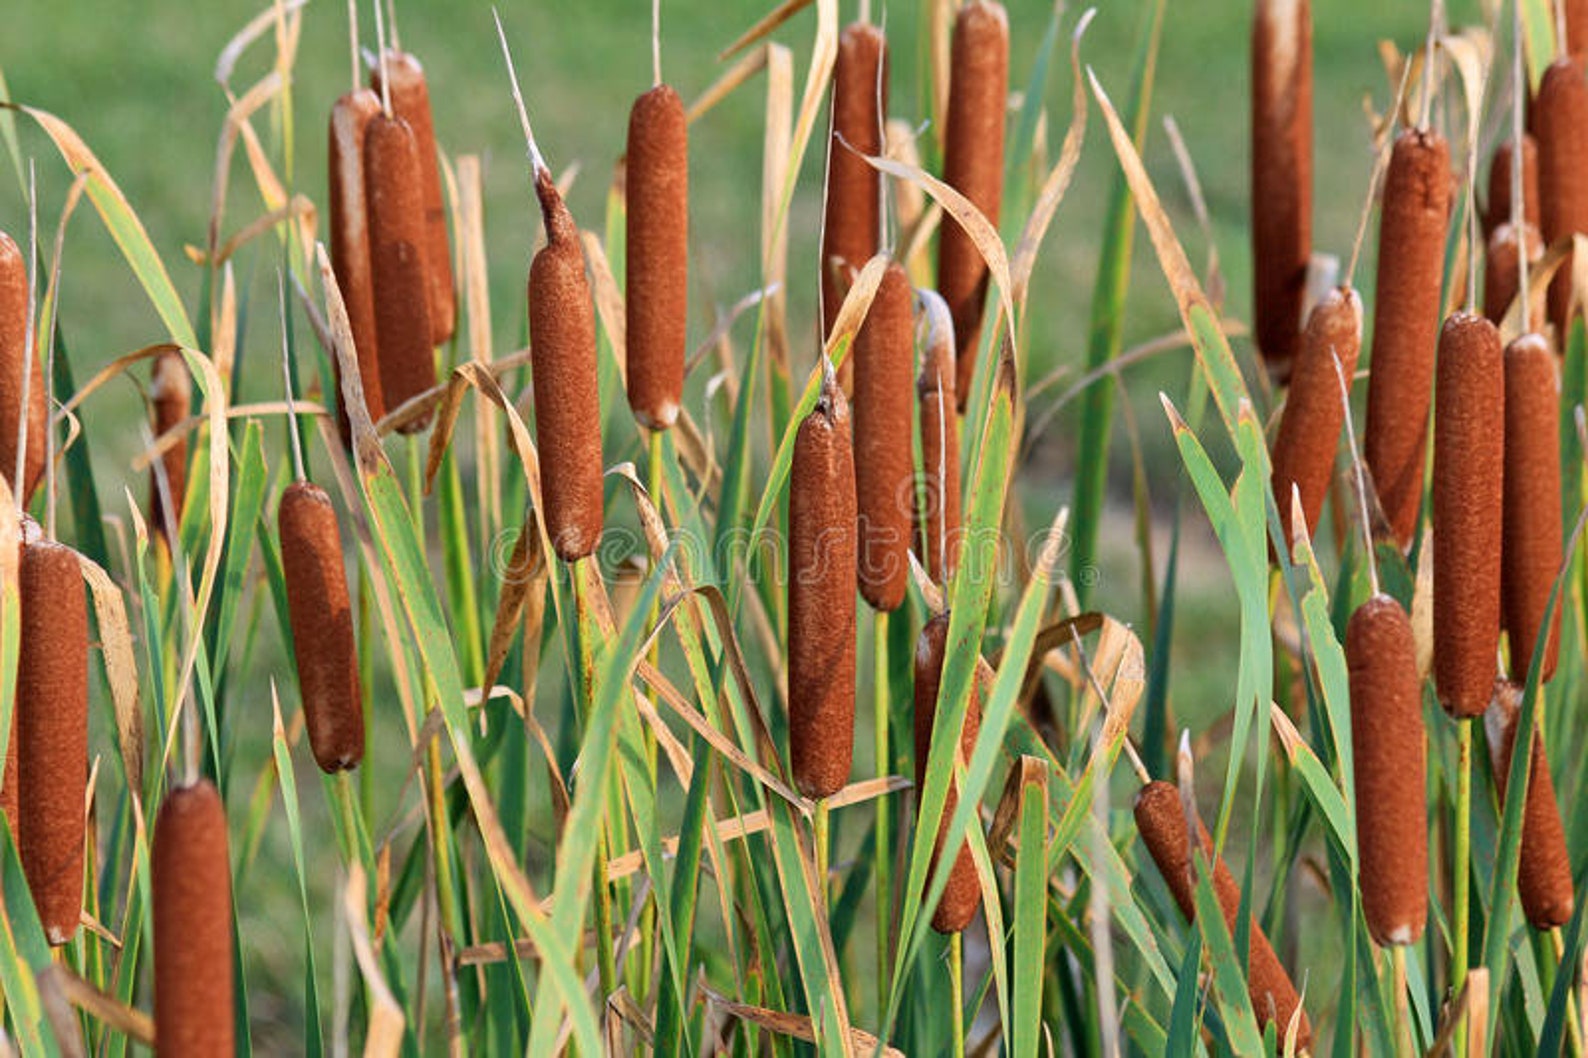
[
  {"x": 973, "y": 164},
  {"x": 1543, "y": 869},
  {"x": 52, "y": 733},
  {"x": 962, "y": 895},
  {"x": 821, "y": 597},
  {"x": 1161, "y": 820},
  {"x": 171, "y": 394},
  {"x": 1560, "y": 122},
  {"x": 410, "y": 100},
  {"x": 562, "y": 344},
  {"x": 1502, "y": 271},
  {"x": 322, "y": 626},
  {"x": 884, "y": 457},
  {"x": 1498, "y": 209},
  {"x": 1469, "y": 471},
  {"x": 397, "y": 246},
  {"x": 1281, "y": 175},
  {"x": 934, "y": 390},
  {"x": 657, "y": 253},
  {"x": 1531, "y": 555},
  {"x": 193, "y": 1001},
  {"x": 14, "y": 361},
  {"x": 350, "y": 247},
  {"x": 1390, "y": 763},
  {"x": 851, "y": 228},
  {"x": 1309, "y": 429},
  {"x": 1406, "y": 323}
]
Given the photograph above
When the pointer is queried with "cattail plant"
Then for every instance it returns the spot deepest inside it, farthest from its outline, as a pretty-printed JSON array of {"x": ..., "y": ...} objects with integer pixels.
[
  {"x": 1405, "y": 323},
  {"x": 852, "y": 221},
  {"x": 884, "y": 458},
  {"x": 934, "y": 390},
  {"x": 1498, "y": 210},
  {"x": 1161, "y": 821},
  {"x": 402, "y": 74},
  {"x": 1543, "y": 869},
  {"x": 962, "y": 895},
  {"x": 52, "y": 733},
  {"x": 15, "y": 361},
  {"x": 1389, "y": 765},
  {"x": 1281, "y": 175},
  {"x": 973, "y": 164},
  {"x": 656, "y": 249},
  {"x": 1309, "y": 429},
  {"x": 1560, "y": 122},
  {"x": 1531, "y": 554},
  {"x": 350, "y": 241},
  {"x": 1502, "y": 271},
  {"x": 192, "y": 882},
  {"x": 821, "y": 596},
  {"x": 171, "y": 394}
]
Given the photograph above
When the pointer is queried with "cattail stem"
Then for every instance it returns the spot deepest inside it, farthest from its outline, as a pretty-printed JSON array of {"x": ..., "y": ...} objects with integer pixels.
[
  {"x": 1405, "y": 1045},
  {"x": 1461, "y": 868},
  {"x": 884, "y": 838},
  {"x": 956, "y": 971},
  {"x": 821, "y": 830}
]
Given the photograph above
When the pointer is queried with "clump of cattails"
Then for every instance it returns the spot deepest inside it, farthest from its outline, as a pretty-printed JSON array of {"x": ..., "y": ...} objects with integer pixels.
[
  {"x": 1498, "y": 209},
  {"x": 934, "y": 389},
  {"x": 1161, "y": 820},
  {"x": 1560, "y": 121},
  {"x": 962, "y": 895},
  {"x": 1469, "y": 469},
  {"x": 171, "y": 394},
  {"x": 1543, "y": 870},
  {"x": 852, "y": 223},
  {"x": 350, "y": 253},
  {"x": 973, "y": 164},
  {"x": 1502, "y": 273},
  {"x": 657, "y": 253},
  {"x": 192, "y": 882},
  {"x": 1389, "y": 765},
  {"x": 1281, "y": 175},
  {"x": 1531, "y": 555},
  {"x": 821, "y": 597},
  {"x": 322, "y": 626},
  {"x": 1309, "y": 429},
  {"x": 1405, "y": 323},
  {"x": 15, "y": 360},
  {"x": 52, "y": 733},
  {"x": 884, "y": 358},
  {"x": 567, "y": 391}
]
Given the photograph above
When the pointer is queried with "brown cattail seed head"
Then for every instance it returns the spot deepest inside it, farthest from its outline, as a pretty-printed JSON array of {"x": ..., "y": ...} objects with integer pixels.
[
  {"x": 1499, "y": 203},
  {"x": 852, "y": 225},
  {"x": 1309, "y": 429},
  {"x": 1161, "y": 820},
  {"x": 14, "y": 360},
  {"x": 973, "y": 164},
  {"x": 171, "y": 393},
  {"x": 884, "y": 456},
  {"x": 963, "y": 894},
  {"x": 1405, "y": 323},
  {"x": 52, "y": 733},
  {"x": 939, "y": 443},
  {"x": 192, "y": 881},
  {"x": 350, "y": 256},
  {"x": 1543, "y": 870},
  {"x": 397, "y": 247},
  {"x": 1502, "y": 272},
  {"x": 1281, "y": 175},
  {"x": 9, "y": 783},
  {"x": 821, "y": 597},
  {"x": 567, "y": 390},
  {"x": 1469, "y": 470},
  {"x": 1560, "y": 121},
  {"x": 657, "y": 250},
  {"x": 322, "y": 626},
  {"x": 410, "y": 100},
  {"x": 1387, "y": 746},
  {"x": 1531, "y": 555}
]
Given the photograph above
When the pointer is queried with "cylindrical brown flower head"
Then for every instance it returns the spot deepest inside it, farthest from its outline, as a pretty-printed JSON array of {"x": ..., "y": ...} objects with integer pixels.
[
  {"x": 1543, "y": 869},
  {"x": 963, "y": 894},
  {"x": 562, "y": 342},
  {"x": 884, "y": 457},
  {"x": 1406, "y": 323},
  {"x": 1499, "y": 202},
  {"x": 1281, "y": 175},
  {"x": 350, "y": 256},
  {"x": 934, "y": 390},
  {"x": 851, "y": 228},
  {"x": 1390, "y": 764},
  {"x": 1469, "y": 473},
  {"x": 1162, "y": 823},
  {"x": 395, "y": 198},
  {"x": 1502, "y": 271},
  {"x": 52, "y": 734},
  {"x": 193, "y": 1002},
  {"x": 171, "y": 393},
  {"x": 410, "y": 100},
  {"x": 1532, "y": 553},
  {"x": 14, "y": 361},
  {"x": 973, "y": 164},
  {"x": 1560, "y": 122},
  {"x": 657, "y": 253},
  {"x": 821, "y": 597},
  {"x": 1309, "y": 428},
  {"x": 322, "y": 626}
]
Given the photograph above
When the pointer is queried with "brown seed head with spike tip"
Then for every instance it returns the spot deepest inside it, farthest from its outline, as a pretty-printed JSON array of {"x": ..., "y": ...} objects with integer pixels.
[
  {"x": 1532, "y": 553},
  {"x": 191, "y": 875},
  {"x": 656, "y": 250},
  {"x": 1543, "y": 869},
  {"x": 398, "y": 266},
  {"x": 962, "y": 896},
  {"x": 350, "y": 256},
  {"x": 884, "y": 458},
  {"x": 1560, "y": 121},
  {"x": 852, "y": 225}
]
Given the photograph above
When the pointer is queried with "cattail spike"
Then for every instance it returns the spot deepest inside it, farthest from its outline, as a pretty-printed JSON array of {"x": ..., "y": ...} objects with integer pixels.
[
  {"x": 21, "y": 375},
  {"x": 1560, "y": 121},
  {"x": 1503, "y": 176},
  {"x": 191, "y": 875},
  {"x": 851, "y": 220},
  {"x": 1504, "y": 270},
  {"x": 171, "y": 394},
  {"x": 962, "y": 896},
  {"x": 1532, "y": 551},
  {"x": 1543, "y": 869},
  {"x": 940, "y": 518},
  {"x": 884, "y": 356},
  {"x": 657, "y": 253},
  {"x": 350, "y": 244}
]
